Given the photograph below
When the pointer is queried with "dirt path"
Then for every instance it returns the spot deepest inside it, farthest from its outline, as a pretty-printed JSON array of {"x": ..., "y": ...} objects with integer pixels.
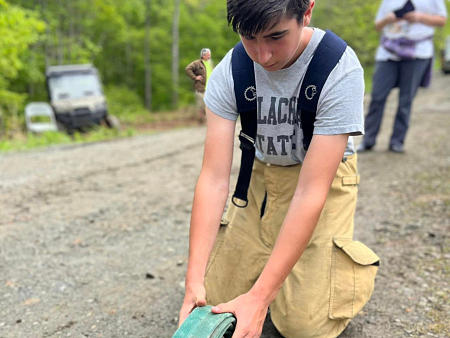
[{"x": 93, "y": 239}]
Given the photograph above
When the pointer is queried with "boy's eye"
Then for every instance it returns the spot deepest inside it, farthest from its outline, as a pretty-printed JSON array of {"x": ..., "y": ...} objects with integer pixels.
[
  {"x": 277, "y": 36},
  {"x": 248, "y": 37}
]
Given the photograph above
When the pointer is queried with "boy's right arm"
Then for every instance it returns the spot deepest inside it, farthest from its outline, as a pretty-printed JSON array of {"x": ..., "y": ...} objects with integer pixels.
[{"x": 210, "y": 196}]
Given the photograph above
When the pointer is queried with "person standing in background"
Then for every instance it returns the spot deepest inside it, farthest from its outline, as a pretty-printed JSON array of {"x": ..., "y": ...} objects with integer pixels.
[
  {"x": 199, "y": 71},
  {"x": 404, "y": 60}
]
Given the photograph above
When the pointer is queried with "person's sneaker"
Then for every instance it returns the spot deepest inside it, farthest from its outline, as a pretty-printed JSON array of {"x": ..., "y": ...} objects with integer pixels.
[
  {"x": 396, "y": 148},
  {"x": 362, "y": 148}
]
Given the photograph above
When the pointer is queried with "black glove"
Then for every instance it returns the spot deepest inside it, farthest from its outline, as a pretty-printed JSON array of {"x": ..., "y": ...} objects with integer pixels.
[{"x": 407, "y": 7}]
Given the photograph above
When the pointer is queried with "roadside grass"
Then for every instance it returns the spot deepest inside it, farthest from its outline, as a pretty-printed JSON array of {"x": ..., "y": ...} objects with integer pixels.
[
  {"x": 136, "y": 119},
  {"x": 128, "y": 107},
  {"x": 20, "y": 141},
  {"x": 132, "y": 123}
]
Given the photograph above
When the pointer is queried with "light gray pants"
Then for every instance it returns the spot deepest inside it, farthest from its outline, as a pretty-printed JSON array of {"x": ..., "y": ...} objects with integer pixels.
[{"x": 407, "y": 75}]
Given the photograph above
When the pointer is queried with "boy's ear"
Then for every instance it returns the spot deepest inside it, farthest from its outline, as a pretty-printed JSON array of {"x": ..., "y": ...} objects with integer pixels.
[{"x": 308, "y": 13}]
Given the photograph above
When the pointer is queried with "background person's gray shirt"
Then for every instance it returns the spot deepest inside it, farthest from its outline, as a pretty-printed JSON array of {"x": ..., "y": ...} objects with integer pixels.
[{"x": 279, "y": 137}]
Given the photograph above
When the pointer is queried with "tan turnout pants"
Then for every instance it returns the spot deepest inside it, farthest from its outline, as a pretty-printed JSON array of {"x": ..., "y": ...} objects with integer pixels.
[{"x": 335, "y": 275}]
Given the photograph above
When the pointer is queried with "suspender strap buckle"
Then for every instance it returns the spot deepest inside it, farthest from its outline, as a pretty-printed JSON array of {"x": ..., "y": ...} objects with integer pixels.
[
  {"x": 247, "y": 142},
  {"x": 240, "y": 203},
  {"x": 247, "y": 146}
]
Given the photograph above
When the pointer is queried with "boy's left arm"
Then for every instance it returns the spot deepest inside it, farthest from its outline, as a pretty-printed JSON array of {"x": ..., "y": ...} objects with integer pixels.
[{"x": 318, "y": 171}]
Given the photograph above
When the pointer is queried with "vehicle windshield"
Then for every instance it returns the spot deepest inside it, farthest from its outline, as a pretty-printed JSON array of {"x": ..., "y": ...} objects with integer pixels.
[{"x": 74, "y": 86}]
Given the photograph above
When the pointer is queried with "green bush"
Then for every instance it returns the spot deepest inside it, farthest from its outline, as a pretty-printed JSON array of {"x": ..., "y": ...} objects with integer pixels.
[
  {"x": 11, "y": 112},
  {"x": 124, "y": 103}
]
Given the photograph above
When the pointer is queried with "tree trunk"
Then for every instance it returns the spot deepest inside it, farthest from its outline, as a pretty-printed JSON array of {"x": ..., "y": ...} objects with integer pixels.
[
  {"x": 148, "y": 69},
  {"x": 31, "y": 89},
  {"x": 71, "y": 39},
  {"x": 60, "y": 35},
  {"x": 43, "y": 4},
  {"x": 129, "y": 64},
  {"x": 175, "y": 52}
]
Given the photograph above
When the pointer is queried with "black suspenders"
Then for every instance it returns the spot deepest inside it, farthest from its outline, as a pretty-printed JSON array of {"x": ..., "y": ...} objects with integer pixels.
[{"x": 327, "y": 55}]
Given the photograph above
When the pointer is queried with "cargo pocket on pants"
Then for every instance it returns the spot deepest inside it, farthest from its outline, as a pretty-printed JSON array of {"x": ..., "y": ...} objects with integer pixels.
[{"x": 353, "y": 270}]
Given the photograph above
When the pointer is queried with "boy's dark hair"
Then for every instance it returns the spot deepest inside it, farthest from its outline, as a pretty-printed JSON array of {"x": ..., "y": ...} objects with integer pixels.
[{"x": 249, "y": 17}]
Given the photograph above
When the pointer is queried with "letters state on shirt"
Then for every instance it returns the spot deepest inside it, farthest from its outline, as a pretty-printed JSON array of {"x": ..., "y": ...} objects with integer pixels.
[{"x": 282, "y": 110}]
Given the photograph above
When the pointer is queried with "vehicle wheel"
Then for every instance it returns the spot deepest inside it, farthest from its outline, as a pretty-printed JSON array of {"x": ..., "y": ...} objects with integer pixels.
[
  {"x": 61, "y": 127},
  {"x": 112, "y": 121}
]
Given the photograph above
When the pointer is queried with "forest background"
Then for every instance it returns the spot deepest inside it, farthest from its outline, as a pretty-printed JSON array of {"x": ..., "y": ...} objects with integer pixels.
[{"x": 140, "y": 47}]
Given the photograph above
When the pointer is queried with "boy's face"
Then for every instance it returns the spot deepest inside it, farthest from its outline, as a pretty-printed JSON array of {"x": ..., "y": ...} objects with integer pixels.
[{"x": 279, "y": 46}]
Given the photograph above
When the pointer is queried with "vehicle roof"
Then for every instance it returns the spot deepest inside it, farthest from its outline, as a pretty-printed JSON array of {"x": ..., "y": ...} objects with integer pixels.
[{"x": 58, "y": 70}]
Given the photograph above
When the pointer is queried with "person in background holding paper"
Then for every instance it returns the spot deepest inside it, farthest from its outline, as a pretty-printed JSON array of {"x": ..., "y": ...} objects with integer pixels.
[{"x": 404, "y": 60}]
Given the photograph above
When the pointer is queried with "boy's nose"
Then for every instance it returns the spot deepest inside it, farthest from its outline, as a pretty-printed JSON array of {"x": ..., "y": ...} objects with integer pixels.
[{"x": 264, "y": 55}]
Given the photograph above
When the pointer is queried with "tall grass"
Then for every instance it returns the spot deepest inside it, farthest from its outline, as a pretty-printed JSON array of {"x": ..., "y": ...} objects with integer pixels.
[{"x": 30, "y": 141}]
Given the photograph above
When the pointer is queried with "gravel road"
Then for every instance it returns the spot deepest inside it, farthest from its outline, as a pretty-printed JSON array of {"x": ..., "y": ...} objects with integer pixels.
[{"x": 93, "y": 238}]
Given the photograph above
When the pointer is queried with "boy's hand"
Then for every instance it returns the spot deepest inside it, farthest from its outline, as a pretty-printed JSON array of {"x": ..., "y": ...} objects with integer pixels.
[
  {"x": 250, "y": 312},
  {"x": 195, "y": 296}
]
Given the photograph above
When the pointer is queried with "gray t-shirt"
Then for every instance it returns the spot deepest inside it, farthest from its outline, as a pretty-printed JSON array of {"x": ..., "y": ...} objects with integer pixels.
[
  {"x": 413, "y": 31},
  {"x": 279, "y": 137}
]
